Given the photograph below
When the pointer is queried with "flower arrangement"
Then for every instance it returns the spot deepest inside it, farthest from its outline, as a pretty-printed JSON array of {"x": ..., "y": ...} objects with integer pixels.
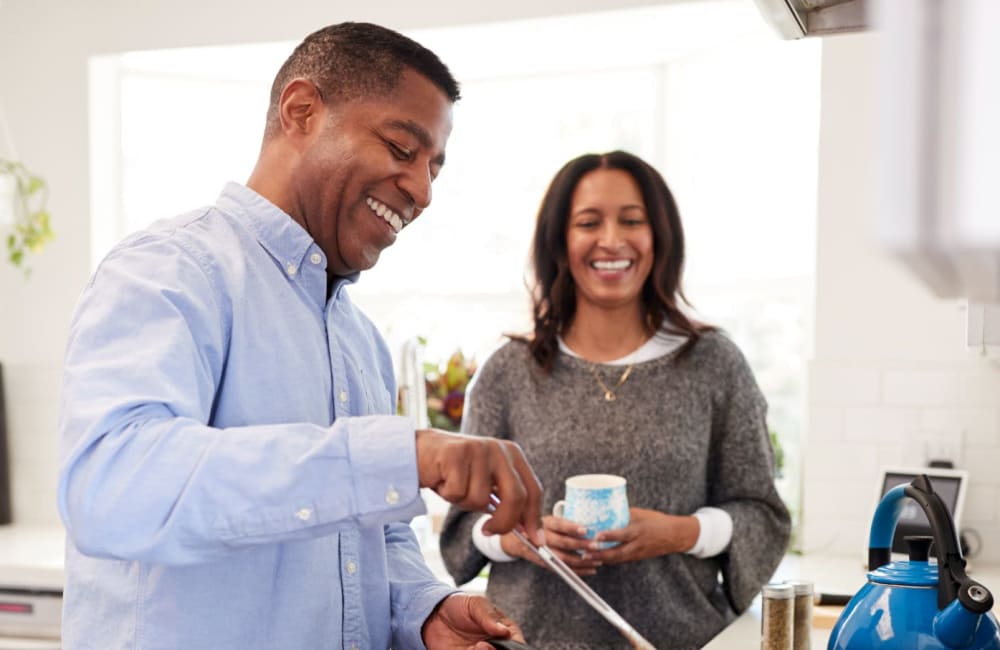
[{"x": 446, "y": 390}]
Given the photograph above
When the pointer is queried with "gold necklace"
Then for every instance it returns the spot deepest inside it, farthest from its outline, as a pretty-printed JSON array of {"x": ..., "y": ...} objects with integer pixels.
[{"x": 609, "y": 393}]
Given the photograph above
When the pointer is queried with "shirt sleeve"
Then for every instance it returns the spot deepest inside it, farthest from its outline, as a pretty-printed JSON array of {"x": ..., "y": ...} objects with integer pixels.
[
  {"x": 414, "y": 590},
  {"x": 489, "y": 545},
  {"x": 715, "y": 530},
  {"x": 142, "y": 474},
  {"x": 741, "y": 482}
]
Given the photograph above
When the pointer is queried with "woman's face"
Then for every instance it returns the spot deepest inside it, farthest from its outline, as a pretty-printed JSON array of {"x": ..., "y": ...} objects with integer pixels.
[{"x": 609, "y": 239}]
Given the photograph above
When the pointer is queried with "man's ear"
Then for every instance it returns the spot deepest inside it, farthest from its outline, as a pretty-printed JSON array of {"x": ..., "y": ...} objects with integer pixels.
[{"x": 300, "y": 108}]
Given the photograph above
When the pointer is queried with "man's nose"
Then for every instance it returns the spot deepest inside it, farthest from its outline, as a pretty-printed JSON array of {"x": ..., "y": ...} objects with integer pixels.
[{"x": 416, "y": 185}]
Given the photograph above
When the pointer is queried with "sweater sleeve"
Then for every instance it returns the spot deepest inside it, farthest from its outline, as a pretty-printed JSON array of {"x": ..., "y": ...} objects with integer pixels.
[
  {"x": 484, "y": 415},
  {"x": 741, "y": 482}
]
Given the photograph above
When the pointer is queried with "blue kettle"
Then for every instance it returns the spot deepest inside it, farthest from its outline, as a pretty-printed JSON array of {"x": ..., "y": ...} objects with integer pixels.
[{"x": 914, "y": 604}]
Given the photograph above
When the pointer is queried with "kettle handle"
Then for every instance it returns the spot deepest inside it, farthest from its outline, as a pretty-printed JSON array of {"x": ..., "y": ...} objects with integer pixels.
[{"x": 952, "y": 580}]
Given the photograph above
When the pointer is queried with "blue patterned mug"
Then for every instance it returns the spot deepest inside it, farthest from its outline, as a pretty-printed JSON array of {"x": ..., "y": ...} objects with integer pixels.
[{"x": 595, "y": 501}]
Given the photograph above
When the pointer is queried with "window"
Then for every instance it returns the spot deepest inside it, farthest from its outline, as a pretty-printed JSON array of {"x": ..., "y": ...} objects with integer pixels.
[{"x": 726, "y": 111}]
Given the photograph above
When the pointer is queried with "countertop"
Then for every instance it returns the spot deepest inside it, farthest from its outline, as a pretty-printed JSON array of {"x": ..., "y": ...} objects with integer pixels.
[
  {"x": 829, "y": 574},
  {"x": 32, "y": 556}
]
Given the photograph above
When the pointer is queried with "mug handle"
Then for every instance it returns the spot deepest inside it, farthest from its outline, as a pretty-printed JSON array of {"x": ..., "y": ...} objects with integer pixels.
[{"x": 559, "y": 508}]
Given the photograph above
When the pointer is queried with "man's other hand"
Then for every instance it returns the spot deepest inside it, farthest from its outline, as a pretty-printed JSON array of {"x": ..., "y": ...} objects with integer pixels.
[{"x": 464, "y": 621}]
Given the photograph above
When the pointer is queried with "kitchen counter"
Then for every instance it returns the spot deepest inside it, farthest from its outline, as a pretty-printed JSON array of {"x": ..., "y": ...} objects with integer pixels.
[
  {"x": 829, "y": 574},
  {"x": 32, "y": 556}
]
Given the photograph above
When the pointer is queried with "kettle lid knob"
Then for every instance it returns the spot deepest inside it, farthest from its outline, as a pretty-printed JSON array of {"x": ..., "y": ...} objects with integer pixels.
[{"x": 919, "y": 547}]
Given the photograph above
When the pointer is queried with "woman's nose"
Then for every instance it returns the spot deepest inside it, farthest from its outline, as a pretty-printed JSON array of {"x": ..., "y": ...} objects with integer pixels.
[{"x": 611, "y": 237}]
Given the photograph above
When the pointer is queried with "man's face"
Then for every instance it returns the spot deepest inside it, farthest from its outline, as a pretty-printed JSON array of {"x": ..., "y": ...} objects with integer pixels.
[{"x": 368, "y": 172}]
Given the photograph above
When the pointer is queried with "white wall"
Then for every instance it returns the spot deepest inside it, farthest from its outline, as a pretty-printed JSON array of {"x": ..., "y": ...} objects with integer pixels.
[{"x": 891, "y": 382}]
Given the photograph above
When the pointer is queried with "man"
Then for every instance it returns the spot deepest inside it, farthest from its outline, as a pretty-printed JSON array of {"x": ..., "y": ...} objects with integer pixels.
[{"x": 232, "y": 475}]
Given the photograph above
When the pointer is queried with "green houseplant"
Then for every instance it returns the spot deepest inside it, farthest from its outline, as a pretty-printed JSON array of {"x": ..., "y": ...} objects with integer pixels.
[{"x": 31, "y": 229}]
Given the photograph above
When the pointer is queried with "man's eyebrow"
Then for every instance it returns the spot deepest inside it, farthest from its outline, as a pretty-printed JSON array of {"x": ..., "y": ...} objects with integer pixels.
[{"x": 420, "y": 133}]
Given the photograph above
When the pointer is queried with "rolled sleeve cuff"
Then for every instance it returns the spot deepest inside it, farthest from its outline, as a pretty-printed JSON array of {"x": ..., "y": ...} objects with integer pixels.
[
  {"x": 383, "y": 456},
  {"x": 489, "y": 545},
  {"x": 410, "y": 633},
  {"x": 716, "y": 531}
]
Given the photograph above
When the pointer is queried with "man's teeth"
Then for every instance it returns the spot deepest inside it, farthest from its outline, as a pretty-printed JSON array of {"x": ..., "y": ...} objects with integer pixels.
[
  {"x": 616, "y": 265},
  {"x": 382, "y": 210}
]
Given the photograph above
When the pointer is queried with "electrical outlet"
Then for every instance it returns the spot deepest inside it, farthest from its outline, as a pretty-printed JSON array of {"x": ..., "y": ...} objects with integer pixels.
[{"x": 944, "y": 447}]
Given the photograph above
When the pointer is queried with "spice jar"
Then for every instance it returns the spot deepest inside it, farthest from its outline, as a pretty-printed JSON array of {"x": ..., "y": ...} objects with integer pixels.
[
  {"x": 803, "y": 613},
  {"x": 777, "y": 616}
]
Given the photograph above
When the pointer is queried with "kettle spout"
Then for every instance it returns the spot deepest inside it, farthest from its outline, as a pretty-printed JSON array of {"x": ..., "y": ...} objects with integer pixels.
[{"x": 957, "y": 624}]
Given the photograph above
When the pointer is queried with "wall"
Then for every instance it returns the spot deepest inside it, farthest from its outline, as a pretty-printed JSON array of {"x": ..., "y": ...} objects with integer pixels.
[
  {"x": 891, "y": 382},
  {"x": 44, "y": 49}
]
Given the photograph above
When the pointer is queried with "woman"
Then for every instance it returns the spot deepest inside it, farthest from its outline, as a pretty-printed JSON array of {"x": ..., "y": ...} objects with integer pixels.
[{"x": 616, "y": 379}]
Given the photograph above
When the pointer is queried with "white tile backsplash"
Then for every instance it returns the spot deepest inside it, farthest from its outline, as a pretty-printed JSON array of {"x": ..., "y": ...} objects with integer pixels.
[
  {"x": 922, "y": 387},
  {"x": 876, "y": 424},
  {"x": 844, "y": 386},
  {"x": 982, "y": 386},
  {"x": 979, "y": 426},
  {"x": 867, "y": 416},
  {"x": 983, "y": 509},
  {"x": 826, "y": 423},
  {"x": 32, "y": 401}
]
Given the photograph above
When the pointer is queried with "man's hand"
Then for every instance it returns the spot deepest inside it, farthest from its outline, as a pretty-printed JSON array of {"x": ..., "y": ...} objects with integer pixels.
[
  {"x": 465, "y": 470},
  {"x": 466, "y": 621}
]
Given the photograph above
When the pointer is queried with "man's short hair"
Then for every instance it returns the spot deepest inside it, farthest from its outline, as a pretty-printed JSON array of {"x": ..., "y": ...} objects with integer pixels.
[{"x": 350, "y": 61}]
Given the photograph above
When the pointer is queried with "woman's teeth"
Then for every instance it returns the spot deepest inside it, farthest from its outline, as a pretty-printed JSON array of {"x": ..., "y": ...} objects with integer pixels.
[
  {"x": 390, "y": 217},
  {"x": 611, "y": 265}
]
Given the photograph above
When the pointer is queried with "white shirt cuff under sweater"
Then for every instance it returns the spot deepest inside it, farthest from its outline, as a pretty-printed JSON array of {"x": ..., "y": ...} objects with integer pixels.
[
  {"x": 489, "y": 545},
  {"x": 714, "y": 535}
]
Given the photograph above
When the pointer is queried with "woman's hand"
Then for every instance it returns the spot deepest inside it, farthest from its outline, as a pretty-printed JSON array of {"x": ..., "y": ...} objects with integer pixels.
[
  {"x": 564, "y": 538},
  {"x": 649, "y": 534}
]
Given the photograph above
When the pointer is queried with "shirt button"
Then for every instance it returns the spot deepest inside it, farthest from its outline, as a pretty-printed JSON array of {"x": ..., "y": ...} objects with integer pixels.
[
  {"x": 304, "y": 514},
  {"x": 392, "y": 497},
  {"x": 291, "y": 269},
  {"x": 352, "y": 567},
  {"x": 315, "y": 258},
  {"x": 343, "y": 395}
]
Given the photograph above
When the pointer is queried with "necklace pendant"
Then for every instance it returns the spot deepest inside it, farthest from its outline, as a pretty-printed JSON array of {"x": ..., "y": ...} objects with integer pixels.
[{"x": 609, "y": 396}]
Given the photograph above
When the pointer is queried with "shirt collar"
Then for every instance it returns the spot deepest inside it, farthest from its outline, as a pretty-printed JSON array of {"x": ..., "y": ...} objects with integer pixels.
[{"x": 280, "y": 235}]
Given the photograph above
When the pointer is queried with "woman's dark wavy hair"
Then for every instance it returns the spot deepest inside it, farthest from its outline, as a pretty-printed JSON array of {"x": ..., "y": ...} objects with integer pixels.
[{"x": 553, "y": 293}]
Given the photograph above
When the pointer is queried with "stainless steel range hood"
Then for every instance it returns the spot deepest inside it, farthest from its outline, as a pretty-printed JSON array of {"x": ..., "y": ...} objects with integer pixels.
[
  {"x": 800, "y": 18},
  {"x": 938, "y": 143}
]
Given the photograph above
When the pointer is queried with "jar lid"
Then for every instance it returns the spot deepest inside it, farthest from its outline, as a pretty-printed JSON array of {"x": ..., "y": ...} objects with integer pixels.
[
  {"x": 779, "y": 591},
  {"x": 802, "y": 587}
]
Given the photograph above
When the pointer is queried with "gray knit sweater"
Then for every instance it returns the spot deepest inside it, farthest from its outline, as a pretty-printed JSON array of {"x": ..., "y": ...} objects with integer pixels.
[{"x": 686, "y": 432}]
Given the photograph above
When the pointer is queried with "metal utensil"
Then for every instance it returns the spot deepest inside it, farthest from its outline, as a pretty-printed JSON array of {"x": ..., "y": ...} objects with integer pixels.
[{"x": 576, "y": 583}]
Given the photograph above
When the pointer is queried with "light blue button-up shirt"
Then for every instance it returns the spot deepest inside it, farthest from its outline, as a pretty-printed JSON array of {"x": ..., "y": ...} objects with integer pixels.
[{"x": 231, "y": 473}]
